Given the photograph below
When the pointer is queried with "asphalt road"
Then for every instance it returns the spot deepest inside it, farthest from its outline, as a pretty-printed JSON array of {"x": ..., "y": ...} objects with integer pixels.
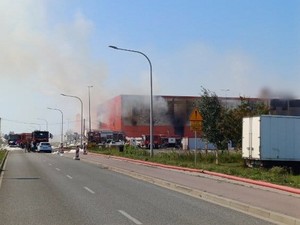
[
  {"x": 278, "y": 205},
  {"x": 49, "y": 189}
]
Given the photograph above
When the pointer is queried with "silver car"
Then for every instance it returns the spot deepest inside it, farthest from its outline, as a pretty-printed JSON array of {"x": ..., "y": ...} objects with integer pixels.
[{"x": 44, "y": 147}]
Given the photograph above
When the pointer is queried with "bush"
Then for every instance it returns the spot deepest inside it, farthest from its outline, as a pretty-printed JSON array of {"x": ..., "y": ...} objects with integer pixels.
[{"x": 277, "y": 170}]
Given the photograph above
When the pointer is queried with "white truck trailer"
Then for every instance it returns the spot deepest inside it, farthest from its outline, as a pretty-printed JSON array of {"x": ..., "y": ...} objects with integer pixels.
[{"x": 271, "y": 140}]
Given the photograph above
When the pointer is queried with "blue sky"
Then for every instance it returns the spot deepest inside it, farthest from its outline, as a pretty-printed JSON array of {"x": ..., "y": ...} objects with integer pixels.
[{"x": 50, "y": 47}]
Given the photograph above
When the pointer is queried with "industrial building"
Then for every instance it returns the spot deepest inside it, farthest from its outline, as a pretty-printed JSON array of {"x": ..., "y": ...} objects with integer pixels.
[{"x": 130, "y": 113}]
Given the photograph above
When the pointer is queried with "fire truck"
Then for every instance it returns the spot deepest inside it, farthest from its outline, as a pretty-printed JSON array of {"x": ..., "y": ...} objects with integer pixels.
[
  {"x": 25, "y": 141},
  {"x": 37, "y": 137},
  {"x": 104, "y": 136},
  {"x": 161, "y": 141}
]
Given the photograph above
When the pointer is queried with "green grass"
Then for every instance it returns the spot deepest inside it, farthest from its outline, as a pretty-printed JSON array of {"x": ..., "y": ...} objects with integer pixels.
[
  {"x": 2, "y": 154},
  {"x": 229, "y": 163}
]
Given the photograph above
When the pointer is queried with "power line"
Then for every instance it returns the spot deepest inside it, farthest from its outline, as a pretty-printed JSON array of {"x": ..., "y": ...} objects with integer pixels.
[
  {"x": 31, "y": 123},
  {"x": 20, "y": 122}
]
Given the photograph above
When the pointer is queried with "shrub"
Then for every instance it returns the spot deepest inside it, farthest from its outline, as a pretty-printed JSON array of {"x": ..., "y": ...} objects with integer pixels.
[{"x": 277, "y": 170}]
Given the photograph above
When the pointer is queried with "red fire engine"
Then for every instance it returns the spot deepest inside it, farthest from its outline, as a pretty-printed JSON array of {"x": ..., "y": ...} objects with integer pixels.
[{"x": 161, "y": 141}]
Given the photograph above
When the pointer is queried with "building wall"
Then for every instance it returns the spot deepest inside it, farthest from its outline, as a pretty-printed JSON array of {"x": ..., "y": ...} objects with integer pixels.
[{"x": 131, "y": 113}]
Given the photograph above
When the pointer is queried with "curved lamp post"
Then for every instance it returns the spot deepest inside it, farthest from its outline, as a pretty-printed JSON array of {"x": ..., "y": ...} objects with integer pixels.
[
  {"x": 62, "y": 124},
  {"x": 151, "y": 93},
  {"x": 90, "y": 125},
  {"x": 46, "y": 123},
  {"x": 37, "y": 125},
  {"x": 81, "y": 115},
  {"x": 225, "y": 90}
]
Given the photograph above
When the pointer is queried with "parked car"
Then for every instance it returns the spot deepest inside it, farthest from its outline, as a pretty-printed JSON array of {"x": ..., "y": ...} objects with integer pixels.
[
  {"x": 111, "y": 143},
  {"x": 44, "y": 147}
]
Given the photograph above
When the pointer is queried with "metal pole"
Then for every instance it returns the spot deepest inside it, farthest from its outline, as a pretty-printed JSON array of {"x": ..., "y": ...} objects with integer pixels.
[
  {"x": 195, "y": 147},
  {"x": 226, "y": 90},
  {"x": 90, "y": 125},
  {"x": 151, "y": 93},
  {"x": 62, "y": 124},
  {"x": 81, "y": 117},
  {"x": 46, "y": 123}
]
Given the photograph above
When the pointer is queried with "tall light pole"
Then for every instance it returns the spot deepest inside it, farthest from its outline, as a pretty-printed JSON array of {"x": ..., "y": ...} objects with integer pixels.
[
  {"x": 37, "y": 124},
  {"x": 226, "y": 90},
  {"x": 62, "y": 124},
  {"x": 46, "y": 123},
  {"x": 151, "y": 93},
  {"x": 90, "y": 126},
  {"x": 81, "y": 115}
]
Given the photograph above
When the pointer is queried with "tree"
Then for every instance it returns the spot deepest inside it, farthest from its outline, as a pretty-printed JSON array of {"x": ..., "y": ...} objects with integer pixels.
[
  {"x": 232, "y": 119},
  {"x": 229, "y": 127},
  {"x": 221, "y": 124},
  {"x": 211, "y": 111}
]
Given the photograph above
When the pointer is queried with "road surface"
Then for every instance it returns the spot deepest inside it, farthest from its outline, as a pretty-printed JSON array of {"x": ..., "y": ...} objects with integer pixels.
[{"x": 50, "y": 189}]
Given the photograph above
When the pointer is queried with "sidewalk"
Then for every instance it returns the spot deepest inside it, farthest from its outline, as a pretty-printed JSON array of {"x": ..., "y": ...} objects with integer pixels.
[{"x": 253, "y": 197}]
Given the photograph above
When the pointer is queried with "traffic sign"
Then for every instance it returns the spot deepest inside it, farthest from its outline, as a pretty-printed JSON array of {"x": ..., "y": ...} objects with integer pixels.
[
  {"x": 196, "y": 115},
  {"x": 196, "y": 120},
  {"x": 196, "y": 126}
]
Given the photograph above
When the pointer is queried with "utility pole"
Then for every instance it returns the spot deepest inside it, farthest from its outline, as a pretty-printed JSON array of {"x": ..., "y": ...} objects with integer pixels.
[
  {"x": 151, "y": 93},
  {"x": 90, "y": 119}
]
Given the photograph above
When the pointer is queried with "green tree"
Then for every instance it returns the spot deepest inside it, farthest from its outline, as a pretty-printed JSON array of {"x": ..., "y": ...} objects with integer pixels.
[
  {"x": 232, "y": 119},
  {"x": 211, "y": 111},
  {"x": 222, "y": 124},
  {"x": 230, "y": 128}
]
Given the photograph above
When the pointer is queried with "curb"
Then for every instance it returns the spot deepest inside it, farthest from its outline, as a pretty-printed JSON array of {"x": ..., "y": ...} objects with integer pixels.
[{"x": 231, "y": 177}]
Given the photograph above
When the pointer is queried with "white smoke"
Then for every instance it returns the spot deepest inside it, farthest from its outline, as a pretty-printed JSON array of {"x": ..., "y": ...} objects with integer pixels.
[{"x": 41, "y": 58}]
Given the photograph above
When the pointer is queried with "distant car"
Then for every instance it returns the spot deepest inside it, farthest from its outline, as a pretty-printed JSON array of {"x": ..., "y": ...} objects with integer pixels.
[
  {"x": 12, "y": 144},
  {"x": 111, "y": 143},
  {"x": 44, "y": 147}
]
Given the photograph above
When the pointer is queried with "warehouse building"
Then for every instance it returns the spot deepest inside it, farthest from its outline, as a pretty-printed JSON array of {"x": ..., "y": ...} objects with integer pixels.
[{"x": 171, "y": 114}]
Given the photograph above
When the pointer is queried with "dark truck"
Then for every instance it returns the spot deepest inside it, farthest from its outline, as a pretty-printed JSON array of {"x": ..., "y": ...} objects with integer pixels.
[
  {"x": 38, "y": 136},
  {"x": 14, "y": 140}
]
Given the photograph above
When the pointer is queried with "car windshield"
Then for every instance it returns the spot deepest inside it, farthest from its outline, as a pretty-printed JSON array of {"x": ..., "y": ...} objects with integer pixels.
[
  {"x": 40, "y": 134},
  {"x": 45, "y": 144}
]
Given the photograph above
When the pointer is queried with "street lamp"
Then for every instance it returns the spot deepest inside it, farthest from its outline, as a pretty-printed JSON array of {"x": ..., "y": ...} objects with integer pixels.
[
  {"x": 62, "y": 124},
  {"x": 81, "y": 116},
  {"x": 226, "y": 90},
  {"x": 37, "y": 125},
  {"x": 90, "y": 126},
  {"x": 46, "y": 123},
  {"x": 151, "y": 93}
]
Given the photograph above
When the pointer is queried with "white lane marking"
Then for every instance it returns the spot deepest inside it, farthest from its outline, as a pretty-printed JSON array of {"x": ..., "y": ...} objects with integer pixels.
[
  {"x": 49, "y": 164},
  {"x": 129, "y": 217},
  {"x": 69, "y": 177},
  {"x": 57, "y": 169},
  {"x": 89, "y": 190}
]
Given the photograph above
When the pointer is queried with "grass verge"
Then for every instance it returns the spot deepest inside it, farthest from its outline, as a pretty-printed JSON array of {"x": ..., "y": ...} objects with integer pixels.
[
  {"x": 229, "y": 163},
  {"x": 2, "y": 155}
]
